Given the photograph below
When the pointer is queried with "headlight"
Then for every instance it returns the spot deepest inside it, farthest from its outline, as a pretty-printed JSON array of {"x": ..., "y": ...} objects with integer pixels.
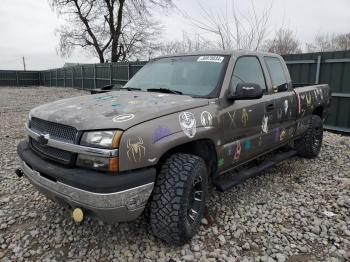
[{"x": 101, "y": 139}]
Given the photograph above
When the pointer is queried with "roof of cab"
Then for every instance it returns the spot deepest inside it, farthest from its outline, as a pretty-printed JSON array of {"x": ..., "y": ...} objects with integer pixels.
[{"x": 222, "y": 52}]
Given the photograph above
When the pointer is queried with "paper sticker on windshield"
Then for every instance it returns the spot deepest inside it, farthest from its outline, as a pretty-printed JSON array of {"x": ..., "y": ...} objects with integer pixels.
[{"x": 212, "y": 58}]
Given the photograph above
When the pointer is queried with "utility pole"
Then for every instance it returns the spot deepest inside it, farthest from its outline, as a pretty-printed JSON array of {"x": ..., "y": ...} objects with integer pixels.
[{"x": 24, "y": 63}]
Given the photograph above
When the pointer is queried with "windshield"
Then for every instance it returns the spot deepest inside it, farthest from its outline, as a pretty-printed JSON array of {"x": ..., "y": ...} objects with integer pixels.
[{"x": 189, "y": 75}]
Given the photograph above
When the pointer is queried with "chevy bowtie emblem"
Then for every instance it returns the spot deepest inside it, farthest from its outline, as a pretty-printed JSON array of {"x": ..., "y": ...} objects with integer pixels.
[{"x": 43, "y": 139}]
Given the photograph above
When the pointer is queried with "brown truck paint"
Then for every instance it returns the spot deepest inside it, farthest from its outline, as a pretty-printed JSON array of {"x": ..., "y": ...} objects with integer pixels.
[{"x": 154, "y": 123}]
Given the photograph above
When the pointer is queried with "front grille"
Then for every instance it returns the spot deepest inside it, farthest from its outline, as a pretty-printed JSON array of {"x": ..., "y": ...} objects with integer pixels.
[
  {"x": 55, "y": 130},
  {"x": 56, "y": 154}
]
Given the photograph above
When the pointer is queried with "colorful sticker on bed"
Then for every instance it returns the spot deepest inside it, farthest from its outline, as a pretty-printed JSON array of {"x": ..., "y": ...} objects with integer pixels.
[
  {"x": 309, "y": 101},
  {"x": 299, "y": 104}
]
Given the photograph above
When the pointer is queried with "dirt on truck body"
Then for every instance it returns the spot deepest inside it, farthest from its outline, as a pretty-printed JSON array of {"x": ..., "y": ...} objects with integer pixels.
[{"x": 181, "y": 123}]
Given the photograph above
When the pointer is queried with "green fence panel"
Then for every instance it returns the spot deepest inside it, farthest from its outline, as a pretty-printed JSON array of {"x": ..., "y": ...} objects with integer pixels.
[
  {"x": 19, "y": 78},
  {"x": 331, "y": 68}
]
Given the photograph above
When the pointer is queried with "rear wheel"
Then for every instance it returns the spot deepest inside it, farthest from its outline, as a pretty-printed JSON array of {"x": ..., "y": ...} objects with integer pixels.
[
  {"x": 179, "y": 197},
  {"x": 309, "y": 145}
]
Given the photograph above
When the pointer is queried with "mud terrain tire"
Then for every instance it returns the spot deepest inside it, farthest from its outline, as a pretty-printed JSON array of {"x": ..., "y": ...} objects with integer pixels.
[
  {"x": 310, "y": 143},
  {"x": 178, "y": 199}
]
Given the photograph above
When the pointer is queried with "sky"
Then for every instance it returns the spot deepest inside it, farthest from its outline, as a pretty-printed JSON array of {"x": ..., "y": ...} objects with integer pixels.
[{"x": 27, "y": 27}]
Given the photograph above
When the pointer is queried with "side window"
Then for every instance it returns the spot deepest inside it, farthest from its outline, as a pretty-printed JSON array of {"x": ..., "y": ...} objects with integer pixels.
[
  {"x": 276, "y": 71},
  {"x": 247, "y": 70}
]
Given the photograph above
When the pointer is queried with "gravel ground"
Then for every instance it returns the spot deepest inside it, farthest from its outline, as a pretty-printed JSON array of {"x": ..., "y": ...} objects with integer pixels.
[{"x": 297, "y": 211}]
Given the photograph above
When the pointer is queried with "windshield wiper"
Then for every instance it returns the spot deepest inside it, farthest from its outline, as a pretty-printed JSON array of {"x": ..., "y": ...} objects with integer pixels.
[
  {"x": 130, "y": 88},
  {"x": 164, "y": 90}
]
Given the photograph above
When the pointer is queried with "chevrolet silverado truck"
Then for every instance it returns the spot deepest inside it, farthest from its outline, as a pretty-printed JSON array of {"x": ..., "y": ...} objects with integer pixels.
[{"x": 181, "y": 124}]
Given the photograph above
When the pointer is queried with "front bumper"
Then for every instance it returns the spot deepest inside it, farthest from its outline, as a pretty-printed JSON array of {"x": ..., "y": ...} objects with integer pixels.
[{"x": 123, "y": 204}]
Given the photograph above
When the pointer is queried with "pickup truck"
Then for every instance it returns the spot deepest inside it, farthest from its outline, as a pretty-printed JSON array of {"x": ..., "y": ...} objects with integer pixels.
[{"x": 181, "y": 124}]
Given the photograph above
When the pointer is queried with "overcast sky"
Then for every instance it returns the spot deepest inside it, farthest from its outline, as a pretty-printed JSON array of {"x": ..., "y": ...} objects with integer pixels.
[{"x": 27, "y": 26}]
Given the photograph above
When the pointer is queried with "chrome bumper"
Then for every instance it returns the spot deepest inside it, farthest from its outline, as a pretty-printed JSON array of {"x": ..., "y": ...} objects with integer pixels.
[{"x": 118, "y": 206}]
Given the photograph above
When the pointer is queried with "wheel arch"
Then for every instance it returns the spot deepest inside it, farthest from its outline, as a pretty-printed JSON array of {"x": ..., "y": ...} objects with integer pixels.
[
  {"x": 204, "y": 148},
  {"x": 318, "y": 111}
]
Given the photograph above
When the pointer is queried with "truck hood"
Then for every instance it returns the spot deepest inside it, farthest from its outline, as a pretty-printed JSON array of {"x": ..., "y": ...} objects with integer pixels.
[{"x": 114, "y": 110}]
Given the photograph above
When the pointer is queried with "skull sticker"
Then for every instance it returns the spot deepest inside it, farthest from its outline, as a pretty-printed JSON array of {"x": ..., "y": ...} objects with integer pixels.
[
  {"x": 188, "y": 123},
  {"x": 206, "y": 119}
]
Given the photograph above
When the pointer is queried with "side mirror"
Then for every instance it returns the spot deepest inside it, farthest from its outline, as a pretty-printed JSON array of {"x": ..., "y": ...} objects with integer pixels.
[{"x": 246, "y": 91}]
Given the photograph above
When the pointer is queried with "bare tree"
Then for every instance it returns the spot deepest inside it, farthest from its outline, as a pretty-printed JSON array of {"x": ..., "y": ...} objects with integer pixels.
[
  {"x": 233, "y": 29},
  {"x": 114, "y": 28},
  {"x": 284, "y": 42},
  {"x": 343, "y": 41},
  {"x": 329, "y": 42},
  {"x": 184, "y": 45}
]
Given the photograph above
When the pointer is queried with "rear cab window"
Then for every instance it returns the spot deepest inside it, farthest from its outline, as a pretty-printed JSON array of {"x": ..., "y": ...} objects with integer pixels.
[{"x": 276, "y": 71}]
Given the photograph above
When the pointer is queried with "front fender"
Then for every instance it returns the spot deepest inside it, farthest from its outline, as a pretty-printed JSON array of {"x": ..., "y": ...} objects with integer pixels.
[{"x": 144, "y": 144}]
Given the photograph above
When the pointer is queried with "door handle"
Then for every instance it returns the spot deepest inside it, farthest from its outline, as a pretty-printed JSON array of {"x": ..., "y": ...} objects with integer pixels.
[{"x": 270, "y": 107}]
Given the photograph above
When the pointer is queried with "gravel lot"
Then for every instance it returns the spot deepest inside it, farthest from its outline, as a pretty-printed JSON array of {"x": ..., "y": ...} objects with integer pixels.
[{"x": 298, "y": 211}]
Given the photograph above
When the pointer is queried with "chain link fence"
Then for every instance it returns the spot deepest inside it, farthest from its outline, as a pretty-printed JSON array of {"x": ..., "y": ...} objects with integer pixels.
[
  {"x": 90, "y": 76},
  {"x": 331, "y": 68}
]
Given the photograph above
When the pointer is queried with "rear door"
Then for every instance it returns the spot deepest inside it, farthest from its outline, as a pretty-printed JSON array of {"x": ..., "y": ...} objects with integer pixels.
[{"x": 283, "y": 121}]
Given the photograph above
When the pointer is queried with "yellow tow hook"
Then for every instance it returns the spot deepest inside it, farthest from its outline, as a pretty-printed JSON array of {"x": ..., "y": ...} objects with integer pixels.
[{"x": 78, "y": 215}]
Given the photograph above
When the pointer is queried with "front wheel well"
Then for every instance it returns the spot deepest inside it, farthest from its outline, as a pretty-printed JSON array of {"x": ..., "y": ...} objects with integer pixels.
[{"x": 204, "y": 148}]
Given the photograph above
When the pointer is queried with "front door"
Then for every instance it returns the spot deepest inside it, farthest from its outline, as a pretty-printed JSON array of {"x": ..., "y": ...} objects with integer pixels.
[{"x": 246, "y": 122}]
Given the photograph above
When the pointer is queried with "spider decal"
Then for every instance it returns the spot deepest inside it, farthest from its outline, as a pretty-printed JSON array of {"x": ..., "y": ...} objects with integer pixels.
[{"x": 136, "y": 151}]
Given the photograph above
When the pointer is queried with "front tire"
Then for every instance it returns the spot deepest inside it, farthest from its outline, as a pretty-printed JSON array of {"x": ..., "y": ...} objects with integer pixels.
[
  {"x": 178, "y": 199},
  {"x": 309, "y": 145}
]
